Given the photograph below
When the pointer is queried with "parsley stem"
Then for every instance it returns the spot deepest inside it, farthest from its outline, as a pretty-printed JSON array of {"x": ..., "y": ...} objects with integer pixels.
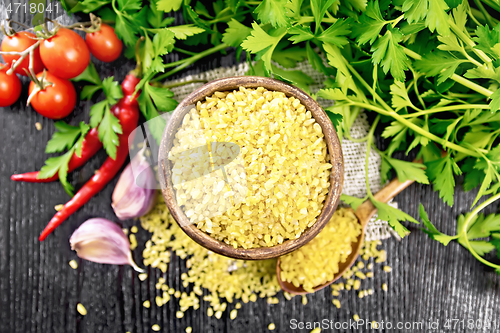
[
  {"x": 457, "y": 78},
  {"x": 485, "y": 13},
  {"x": 466, "y": 39},
  {"x": 492, "y": 4},
  {"x": 188, "y": 61},
  {"x": 367, "y": 158},
  {"x": 465, "y": 228},
  {"x": 446, "y": 108},
  {"x": 469, "y": 84},
  {"x": 185, "y": 51}
]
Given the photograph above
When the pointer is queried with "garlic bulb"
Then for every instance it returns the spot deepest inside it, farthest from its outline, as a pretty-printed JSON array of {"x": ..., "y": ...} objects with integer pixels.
[
  {"x": 135, "y": 193},
  {"x": 102, "y": 241}
]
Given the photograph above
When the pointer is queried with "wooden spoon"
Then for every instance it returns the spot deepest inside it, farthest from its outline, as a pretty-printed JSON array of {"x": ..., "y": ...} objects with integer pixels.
[{"x": 364, "y": 213}]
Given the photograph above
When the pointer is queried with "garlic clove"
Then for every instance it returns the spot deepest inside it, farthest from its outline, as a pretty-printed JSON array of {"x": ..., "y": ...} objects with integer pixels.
[
  {"x": 135, "y": 194},
  {"x": 102, "y": 241}
]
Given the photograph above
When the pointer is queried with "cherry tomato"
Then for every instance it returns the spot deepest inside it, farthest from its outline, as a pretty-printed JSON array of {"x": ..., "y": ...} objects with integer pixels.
[
  {"x": 55, "y": 101},
  {"x": 18, "y": 43},
  {"x": 10, "y": 87},
  {"x": 104, "y": 44},
  {"x": 65, "y": 54}
]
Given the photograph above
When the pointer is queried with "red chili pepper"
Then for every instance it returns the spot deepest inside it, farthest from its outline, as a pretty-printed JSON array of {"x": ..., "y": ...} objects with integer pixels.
[
  {"x": 127, "y": 112},
  {"x": 90, "y": 146}
]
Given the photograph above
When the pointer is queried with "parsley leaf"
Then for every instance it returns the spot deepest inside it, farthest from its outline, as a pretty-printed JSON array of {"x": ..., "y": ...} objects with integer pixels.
[
  {"x": 408, "y": 170},
  {"x": 162, "y": 97},
  {"x": 185, "y": 31},
  {"x": 58, "y": 165},
  {"x": 319, "y": 8},
  {"x": 64, "y": 137},
  {"x": 370, "y": 24},
  {"x": 169, "y": 5},
  {"x": 352, "y": 201},
  {"x": 108, "y": 129},
  {"x": 236, "y": 33},
  {"x": 112, "y": 90},
  {"x": 131, "y": 5},
  {"x": 394, "y": 216},
  {"x": 274, "y": 12},
  {"x": 441, "y": 173},
  {"x": 336, "y": 33},
  {"x": 388, "y": 53},
  {"x": 431, "y": 229},
  {"x": 488, "y": 40},
  {"x": 155, "y": 123},
  {"x": 439, "y": 63},
  {"x": 258, "y": 41},
  {"x": 300, "y": 34}
]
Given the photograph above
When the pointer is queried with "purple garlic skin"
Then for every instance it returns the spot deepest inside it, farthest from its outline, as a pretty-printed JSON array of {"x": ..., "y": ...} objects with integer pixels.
[
  {"x": 102, "y": 241},
  {"x": 135, "y": 192}
]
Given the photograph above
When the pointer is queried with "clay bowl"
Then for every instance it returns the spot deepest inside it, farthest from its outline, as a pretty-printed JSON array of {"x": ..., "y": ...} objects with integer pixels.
[{"x": 334, "y": 150}]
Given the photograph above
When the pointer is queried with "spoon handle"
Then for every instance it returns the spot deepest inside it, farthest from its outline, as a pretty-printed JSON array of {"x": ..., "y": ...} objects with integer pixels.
[{"x": 366, "y": 210}]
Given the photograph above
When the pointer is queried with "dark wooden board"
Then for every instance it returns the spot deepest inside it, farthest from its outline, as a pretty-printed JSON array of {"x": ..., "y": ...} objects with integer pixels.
[{"x": 39, "y": 291}]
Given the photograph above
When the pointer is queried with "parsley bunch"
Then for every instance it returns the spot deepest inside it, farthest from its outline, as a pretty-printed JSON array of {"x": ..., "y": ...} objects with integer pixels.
[{"x": 428, "y": 71}]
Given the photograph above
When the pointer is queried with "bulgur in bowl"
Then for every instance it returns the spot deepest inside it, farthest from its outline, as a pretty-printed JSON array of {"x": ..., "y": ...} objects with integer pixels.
[{"x": 275, "y": 167}]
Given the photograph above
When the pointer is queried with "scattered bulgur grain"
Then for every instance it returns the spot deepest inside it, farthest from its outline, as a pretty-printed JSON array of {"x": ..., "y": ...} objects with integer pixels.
[
  {"x": 155, "y": 327},
  {"x": 146, "y": 304},
  {"x": 143, "y": 276},
  {"x": 73, "y": 264},
  {"x": 387, "y": 269},
  {"x": 81, "y": 309},
  {"x": 58, "y": 207},
  {"x": 355, "y": 317},
  {"x": 38, "y": 126},
  {"x": 134, "y": 229},
  {"x": 384, "y": 286},
  {"x": 218, "y": 314},
  {"x": 271, "y": 327},
  {"x": 238, "y": 305},
  {"x": 125, "y": 231},
  {"x": 179, "y": 314},
  {"x": 133, "y": 242},
  {"x": 233, "y": 314},
  {"x": 304, "y": 299},
  {"x": 357, "y": 284},
  {"x": 210, "y": 312},
  {"x": 336, "y": 302},
  {"x": 189, "y": 329},
  {"x": 316, "y": 330}
]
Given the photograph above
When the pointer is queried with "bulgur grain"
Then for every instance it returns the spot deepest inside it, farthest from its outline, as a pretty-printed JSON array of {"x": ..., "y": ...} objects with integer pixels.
[
  {"x": 81, "y": 309},
  {"x": 73, "y": 264},
  {"x": 271, "y": 327},
  {"x": 283, "y": 162},
  {"x": 146, "y": 304}
]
